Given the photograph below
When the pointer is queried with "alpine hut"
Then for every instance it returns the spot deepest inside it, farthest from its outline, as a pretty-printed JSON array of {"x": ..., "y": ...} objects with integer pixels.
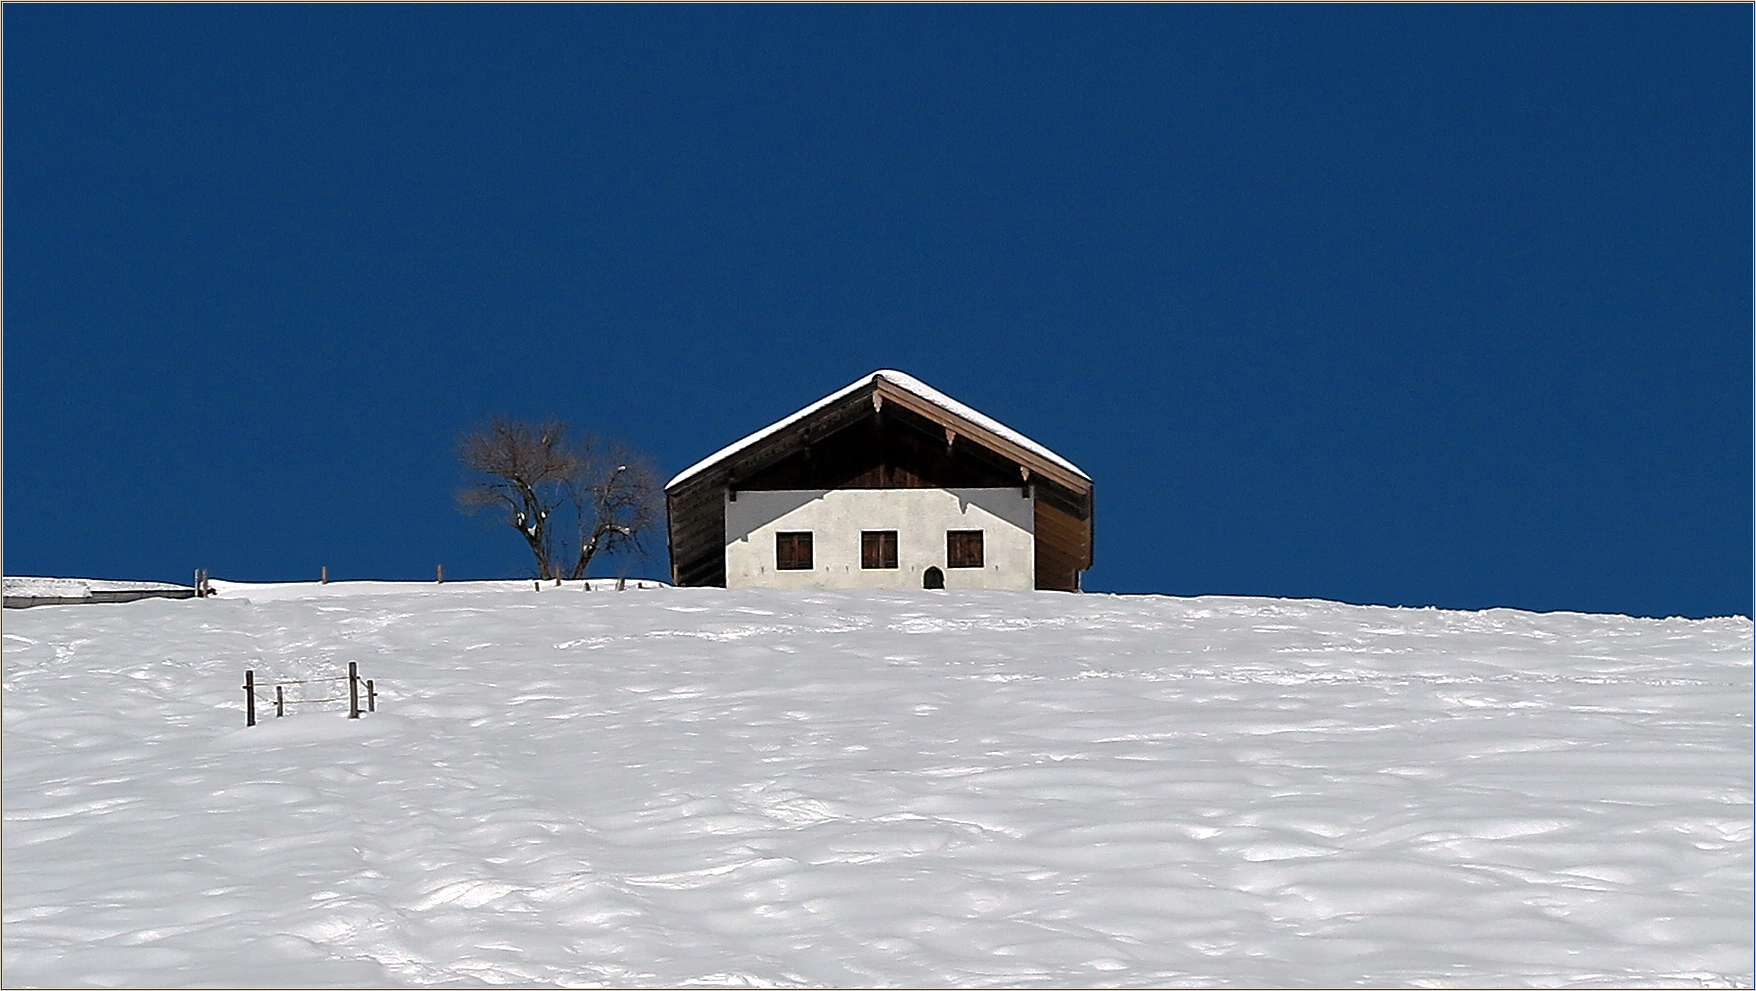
[{"x": 887, "y": 483}]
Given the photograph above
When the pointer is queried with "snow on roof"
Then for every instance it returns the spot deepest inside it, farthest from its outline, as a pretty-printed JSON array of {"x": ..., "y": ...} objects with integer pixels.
[
  {"x": 901, "y": 380},
  {"x": 75, "y": 588}
]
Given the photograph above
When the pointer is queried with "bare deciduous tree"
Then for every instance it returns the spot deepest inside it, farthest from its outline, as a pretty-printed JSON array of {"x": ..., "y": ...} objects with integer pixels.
[
  {"x": 527, "y": 470},
  {"x": 615, "y": 500},
  {"x": 532, "y": 472}
]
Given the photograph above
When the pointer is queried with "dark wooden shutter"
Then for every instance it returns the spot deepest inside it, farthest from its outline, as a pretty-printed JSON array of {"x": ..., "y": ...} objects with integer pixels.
[
  {"x": 963, "y": 548},
  {"x": 878, "y": 548},
  {"x": 792, "y": 551}
]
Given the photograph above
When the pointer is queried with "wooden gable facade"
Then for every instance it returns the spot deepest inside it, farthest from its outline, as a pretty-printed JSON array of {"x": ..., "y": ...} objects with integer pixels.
[{"x": 887, "y": 431}]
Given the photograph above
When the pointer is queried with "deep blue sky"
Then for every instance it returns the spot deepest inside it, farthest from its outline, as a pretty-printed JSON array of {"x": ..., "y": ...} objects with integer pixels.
[{"x": 1429, "y": 305}]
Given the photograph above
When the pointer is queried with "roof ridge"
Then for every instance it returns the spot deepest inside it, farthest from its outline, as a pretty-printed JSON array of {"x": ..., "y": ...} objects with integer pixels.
[{"x": 902, "y": 380}]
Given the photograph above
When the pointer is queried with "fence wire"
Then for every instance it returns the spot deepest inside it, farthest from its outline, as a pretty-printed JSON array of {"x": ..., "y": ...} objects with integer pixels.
[{"x": 258, "y": 692}]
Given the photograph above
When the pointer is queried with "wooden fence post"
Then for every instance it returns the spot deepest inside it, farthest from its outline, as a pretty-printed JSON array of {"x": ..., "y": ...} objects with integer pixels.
[
  {"x": 353, "y": 690},
  {"x": 371, "y": 697},
  {"x": 280, "y": 703},
  {"x": 441, "y": 574},
  {"x": 326, "y": 574},
  {"x": 249, "y": 697}
]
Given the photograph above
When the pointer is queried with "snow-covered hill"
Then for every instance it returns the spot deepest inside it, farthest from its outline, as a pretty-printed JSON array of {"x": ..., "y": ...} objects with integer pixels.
[{"x": 695, "y": 786}]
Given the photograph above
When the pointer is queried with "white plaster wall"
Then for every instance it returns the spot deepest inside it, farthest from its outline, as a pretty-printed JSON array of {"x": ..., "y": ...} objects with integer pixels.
[{"x": 920, "y": 517}]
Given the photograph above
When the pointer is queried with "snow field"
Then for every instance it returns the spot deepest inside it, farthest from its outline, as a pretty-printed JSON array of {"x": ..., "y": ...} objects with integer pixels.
[{"x": 695, "y": 786}]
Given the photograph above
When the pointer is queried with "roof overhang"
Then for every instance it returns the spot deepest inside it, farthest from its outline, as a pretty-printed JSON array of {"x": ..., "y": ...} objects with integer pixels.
[{"x": 905, "y": 391}]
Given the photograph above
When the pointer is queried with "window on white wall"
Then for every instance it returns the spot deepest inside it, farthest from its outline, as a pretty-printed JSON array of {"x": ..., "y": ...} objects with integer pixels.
[
  {"x": 792, "y": 551},
  {"x": 878, "y": 548},
  {"x": 963, "y": 548}
]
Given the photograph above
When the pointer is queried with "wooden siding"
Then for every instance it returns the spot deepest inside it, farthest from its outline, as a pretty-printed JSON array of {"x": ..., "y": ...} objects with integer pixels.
[
  {"x": 888, "y": 450},
  {"x": 697, "y": 514},
  {"x": 1063, "y": 547}
]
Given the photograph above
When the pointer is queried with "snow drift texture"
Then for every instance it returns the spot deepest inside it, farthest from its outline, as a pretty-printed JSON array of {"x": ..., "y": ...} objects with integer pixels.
[{"x": 695, "y": 786}]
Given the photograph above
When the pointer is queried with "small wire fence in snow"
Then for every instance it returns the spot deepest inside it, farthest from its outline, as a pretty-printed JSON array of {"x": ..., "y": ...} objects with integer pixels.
[{"x": 280, "y": 702}]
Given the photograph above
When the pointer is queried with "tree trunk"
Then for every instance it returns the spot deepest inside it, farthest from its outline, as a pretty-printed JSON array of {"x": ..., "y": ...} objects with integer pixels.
[
  {"x": 588, "y": 548},
  {"x": 540, "y": 547}
]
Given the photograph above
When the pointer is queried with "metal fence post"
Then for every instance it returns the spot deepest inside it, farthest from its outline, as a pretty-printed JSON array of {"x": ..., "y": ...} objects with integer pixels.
[
  {"x": 249, "y": 697},
  {"x": 353, "y": 690},
  {"x": 371, "y": 697}
]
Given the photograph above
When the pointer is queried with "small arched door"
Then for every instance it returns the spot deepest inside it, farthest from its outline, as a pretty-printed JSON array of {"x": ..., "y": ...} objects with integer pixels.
[{"x": 933, "y": 578}]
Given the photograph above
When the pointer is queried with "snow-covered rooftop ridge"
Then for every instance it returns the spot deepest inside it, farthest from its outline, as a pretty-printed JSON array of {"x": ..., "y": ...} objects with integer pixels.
[
  {"x": 904, "y": 381},
  {"x": 73, "y": 588}
]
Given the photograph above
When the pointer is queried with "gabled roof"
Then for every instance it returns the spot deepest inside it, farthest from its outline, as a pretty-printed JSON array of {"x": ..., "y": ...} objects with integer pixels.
[{"x": 906, "y": 385}]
